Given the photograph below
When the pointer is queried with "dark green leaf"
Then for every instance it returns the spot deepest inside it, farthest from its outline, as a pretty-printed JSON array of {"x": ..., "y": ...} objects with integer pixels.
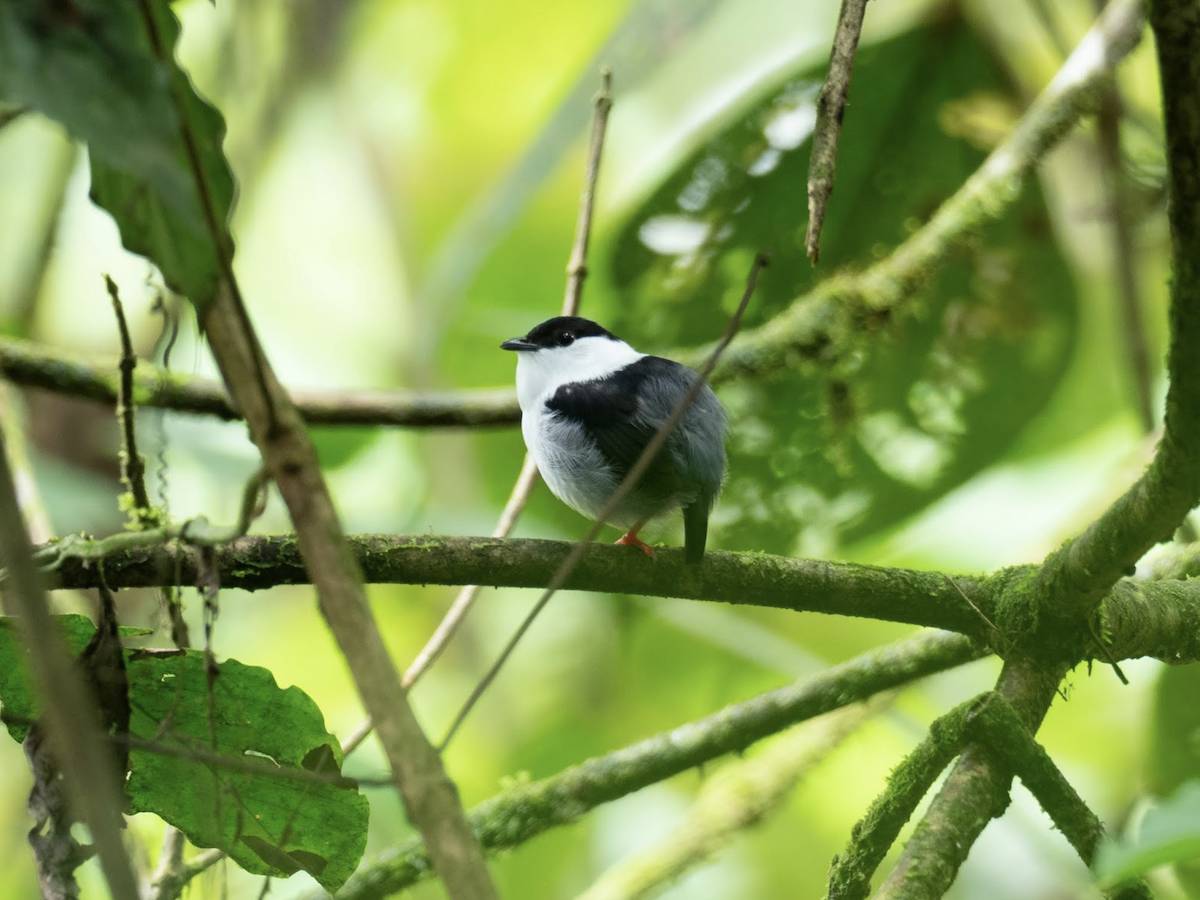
[
  {"x": 18, "y": 702},
  {"x": 107, "y": 72},
  {"x": 895, "y": 410}
]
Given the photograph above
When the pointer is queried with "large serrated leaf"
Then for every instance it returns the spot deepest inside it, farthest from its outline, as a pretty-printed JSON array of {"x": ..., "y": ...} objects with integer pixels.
[
  {"x": 269, "y": 824},
  {"x": 18, "y": 702},
  {"x": 107, "y": 73},
  {"x": 896, "y": 410}
]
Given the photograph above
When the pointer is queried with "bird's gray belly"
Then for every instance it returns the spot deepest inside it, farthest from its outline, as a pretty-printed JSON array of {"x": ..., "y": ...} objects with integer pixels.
[{"x": 577, "y": 473}]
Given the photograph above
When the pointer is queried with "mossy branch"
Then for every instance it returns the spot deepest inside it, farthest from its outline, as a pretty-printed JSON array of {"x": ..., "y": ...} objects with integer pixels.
[
  {"x": 975, "y": 792},
  {"x": 993, "y": 723},
  {"x": 850, "y": 875},
  {"x": 523, "y": 811},
  {"x": 1141, "y": 618}
]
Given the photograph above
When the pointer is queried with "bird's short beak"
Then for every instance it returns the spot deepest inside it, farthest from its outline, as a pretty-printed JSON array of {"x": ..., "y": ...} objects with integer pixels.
[{"x": 518, "y": 344}]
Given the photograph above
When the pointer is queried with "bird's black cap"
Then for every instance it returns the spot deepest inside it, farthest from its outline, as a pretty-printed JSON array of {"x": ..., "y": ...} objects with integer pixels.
[{"x": 561, "y": 331}]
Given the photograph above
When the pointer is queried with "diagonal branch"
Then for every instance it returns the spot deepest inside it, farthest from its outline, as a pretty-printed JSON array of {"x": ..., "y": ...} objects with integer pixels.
[
  {"x": 68, "y": 702},
  {"x": 993, "y": 723},
  {"x": 430, "y": 798},
  {"x": 874, "y": 834},
  {"x": 975, "y": 792}
]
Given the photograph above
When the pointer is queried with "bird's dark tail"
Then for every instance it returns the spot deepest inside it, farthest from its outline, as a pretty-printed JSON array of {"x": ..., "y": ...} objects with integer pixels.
[{"x": 695, "y": 531}]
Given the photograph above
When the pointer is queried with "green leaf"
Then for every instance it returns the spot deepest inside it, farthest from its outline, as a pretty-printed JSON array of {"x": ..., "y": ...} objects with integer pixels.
[
  {"x": 269, "y": 825},
  {"x": 1169, "y": 833},
  {"x": 898, "y": 409},
  {"x": 18, "y": 701},
  {"x": 108, "y": 74}
]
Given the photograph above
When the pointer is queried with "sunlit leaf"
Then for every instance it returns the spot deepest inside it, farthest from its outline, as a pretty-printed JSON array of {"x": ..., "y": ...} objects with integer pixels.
[
  {"x": 897, "y": 410},
  {"x": 271, "y": 825}
]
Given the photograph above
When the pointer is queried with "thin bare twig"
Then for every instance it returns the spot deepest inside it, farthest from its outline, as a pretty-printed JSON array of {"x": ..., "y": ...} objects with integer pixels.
[
  {"x": 133, "y": 467},
  {"x": 576, "y": 274},
  {"x": 631, "y": 478},
  {"x": 577, "y": 265},
  {"x": 831, "y": 107}
]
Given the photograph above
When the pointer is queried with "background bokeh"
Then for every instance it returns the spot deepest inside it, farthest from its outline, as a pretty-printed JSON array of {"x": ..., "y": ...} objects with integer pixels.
[{"x": 409, "y": 172}]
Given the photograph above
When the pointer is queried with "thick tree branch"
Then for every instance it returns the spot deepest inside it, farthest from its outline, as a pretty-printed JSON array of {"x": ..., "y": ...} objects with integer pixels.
[
  {"x": 1141, "y": 618},
  {"x": 526, "y": 810},
  {"x": 1149, "y": 512},
  {"x": 256, "y": 561}
]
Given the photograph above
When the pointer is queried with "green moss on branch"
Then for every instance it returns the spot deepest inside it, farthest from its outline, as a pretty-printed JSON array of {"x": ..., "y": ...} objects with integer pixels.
[{"x": 523, "y": 811}]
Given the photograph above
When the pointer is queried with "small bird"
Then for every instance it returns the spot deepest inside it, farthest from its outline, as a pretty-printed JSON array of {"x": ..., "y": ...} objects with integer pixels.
[{"x": 590, "y": 404}]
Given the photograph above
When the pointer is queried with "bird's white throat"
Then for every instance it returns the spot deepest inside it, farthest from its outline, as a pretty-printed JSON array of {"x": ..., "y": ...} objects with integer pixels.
[{"x": 542, "y": 372}]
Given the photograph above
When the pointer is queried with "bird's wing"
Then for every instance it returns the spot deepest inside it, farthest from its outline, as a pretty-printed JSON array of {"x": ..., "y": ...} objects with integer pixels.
[{"x": 608, "y": 410}]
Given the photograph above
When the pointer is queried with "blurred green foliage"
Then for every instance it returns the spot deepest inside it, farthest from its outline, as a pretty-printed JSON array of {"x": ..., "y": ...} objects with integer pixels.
[
  {"x": 407, "y": 177},
  {"x": 886, "y": 419}
]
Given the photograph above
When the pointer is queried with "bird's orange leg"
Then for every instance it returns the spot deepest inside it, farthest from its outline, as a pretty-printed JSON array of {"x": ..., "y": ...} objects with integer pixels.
[{"x": 630, "y": 539}]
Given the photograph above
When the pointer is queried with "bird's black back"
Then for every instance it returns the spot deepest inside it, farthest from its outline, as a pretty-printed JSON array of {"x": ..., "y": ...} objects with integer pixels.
[{"x": 623, "y": 411}]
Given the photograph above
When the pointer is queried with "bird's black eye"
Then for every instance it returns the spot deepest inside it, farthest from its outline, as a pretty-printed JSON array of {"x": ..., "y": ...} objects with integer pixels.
[{"x": 566, "y": 338}]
